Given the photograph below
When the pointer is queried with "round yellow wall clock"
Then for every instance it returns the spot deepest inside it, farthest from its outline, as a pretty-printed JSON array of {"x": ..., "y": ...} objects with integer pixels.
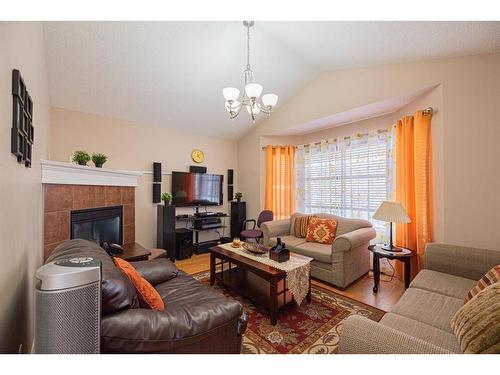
[{"x": 198, "y": 156}]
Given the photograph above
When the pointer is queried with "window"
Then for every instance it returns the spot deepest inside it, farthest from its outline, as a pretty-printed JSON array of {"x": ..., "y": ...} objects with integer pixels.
[{"x": 348, "y": 177}]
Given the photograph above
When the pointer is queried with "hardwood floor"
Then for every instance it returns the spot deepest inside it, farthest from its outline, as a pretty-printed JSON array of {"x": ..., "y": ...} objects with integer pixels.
[{"x": 361, "y": 290}]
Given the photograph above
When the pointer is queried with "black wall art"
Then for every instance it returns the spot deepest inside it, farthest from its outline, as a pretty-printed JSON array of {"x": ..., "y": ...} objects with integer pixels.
[{"x": 22, "y": 134}]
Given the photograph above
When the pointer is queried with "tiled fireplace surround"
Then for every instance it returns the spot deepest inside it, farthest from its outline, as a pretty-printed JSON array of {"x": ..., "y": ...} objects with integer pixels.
[{"x": 61, "y": 199}]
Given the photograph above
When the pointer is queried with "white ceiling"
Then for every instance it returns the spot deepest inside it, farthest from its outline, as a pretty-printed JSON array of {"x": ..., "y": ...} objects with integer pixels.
[{"x": 171, "y": 74}]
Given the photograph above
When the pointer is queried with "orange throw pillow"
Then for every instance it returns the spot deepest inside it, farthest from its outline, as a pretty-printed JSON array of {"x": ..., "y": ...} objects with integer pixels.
[
  {"x": 491, "y": 277},
  {"x": 148, "y": 296},
  {"x": 321, "y": 230},
  {"x": 300, "y": 225}
]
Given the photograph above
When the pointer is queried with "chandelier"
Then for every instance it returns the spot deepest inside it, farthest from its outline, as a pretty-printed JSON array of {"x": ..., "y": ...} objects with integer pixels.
[{"x": 252, "y": 92}]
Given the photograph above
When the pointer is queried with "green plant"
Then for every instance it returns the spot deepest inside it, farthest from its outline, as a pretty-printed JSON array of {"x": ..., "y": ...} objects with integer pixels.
[
  {"x": 99, "y": 159},
  {"x": 167, "y": 198},
  {"x": 238, "y": 196},
  {"x": 81, "y": 157}
]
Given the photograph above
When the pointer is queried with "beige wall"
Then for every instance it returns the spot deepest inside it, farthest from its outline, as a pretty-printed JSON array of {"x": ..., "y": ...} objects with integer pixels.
[
  {"x": 362, "y": 126},
  {"x": 468, "y": 153},
  {"x": 135, "y": 147},
  {"x": 21, "y": 47}
]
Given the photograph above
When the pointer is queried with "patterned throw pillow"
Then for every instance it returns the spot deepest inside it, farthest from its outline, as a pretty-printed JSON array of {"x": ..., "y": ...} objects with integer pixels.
[
  {"x": 300, "y": 225},
  {"x": 477, "y": 323},
  {"x": 321, "y": 230},
  {"x": 491, "y": 277}
]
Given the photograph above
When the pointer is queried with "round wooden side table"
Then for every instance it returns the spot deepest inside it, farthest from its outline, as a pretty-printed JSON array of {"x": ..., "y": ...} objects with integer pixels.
[{"x": 404, "y": 255}]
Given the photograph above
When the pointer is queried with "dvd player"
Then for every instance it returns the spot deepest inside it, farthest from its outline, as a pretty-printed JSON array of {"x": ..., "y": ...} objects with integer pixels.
[
  {"x": 209, "y": 222},
  {"x": 204, "y": 214}
]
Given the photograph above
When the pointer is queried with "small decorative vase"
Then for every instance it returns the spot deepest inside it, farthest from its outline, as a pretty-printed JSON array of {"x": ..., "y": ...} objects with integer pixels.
[
  {"x": 238, "y": 200},
  {"x": 167, "y": 203},
  {"x": 98, "y": 165},
  {"x": 82, "y": 163}
]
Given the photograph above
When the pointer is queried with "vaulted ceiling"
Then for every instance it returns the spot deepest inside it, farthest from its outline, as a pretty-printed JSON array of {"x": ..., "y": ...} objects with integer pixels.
[{"x": 171, "y": 74}]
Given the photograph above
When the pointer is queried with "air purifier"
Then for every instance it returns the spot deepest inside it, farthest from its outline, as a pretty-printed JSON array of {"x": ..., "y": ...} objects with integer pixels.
[{"x": 68, "y": 306}]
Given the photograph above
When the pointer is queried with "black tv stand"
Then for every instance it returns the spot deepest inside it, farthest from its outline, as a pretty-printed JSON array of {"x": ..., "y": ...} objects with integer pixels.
[{"x": 200, "y": 247}]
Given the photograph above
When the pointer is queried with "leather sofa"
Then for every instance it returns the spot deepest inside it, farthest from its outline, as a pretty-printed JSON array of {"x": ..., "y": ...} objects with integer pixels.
[
  {"x": 340, "y": 263},
  {"x": 196, "y": 318},
  {"x": 420, "y": 322}
]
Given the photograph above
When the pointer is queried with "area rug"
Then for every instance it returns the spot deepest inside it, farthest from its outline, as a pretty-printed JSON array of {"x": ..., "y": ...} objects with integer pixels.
[{"x": 312, "y": 328}]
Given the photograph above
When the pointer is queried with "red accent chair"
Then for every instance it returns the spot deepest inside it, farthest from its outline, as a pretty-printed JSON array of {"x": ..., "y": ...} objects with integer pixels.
[{"x": 254, "y": 233}]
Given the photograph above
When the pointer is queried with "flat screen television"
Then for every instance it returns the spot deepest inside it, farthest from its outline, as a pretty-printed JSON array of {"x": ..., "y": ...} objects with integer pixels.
[{"x": 197, "y": 189}]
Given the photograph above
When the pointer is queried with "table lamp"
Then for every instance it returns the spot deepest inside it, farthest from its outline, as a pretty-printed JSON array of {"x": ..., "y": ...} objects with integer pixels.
[{"x": 392, "y": 212}]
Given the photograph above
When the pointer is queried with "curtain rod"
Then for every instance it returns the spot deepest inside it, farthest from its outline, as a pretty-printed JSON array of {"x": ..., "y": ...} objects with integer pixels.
[
  {"x": 429, "y": 111},
  {"x": 425, "y": 111},
  {"x": 379, "y": 131}
]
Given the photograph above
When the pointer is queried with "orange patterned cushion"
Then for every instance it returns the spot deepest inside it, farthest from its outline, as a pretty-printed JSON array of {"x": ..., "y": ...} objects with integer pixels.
[
  {"x": 491, "y": 277},
  {"x": 148, "y": 296},
  {"x": 300, "y": 225},
  {"x": 321, "y": 230}
]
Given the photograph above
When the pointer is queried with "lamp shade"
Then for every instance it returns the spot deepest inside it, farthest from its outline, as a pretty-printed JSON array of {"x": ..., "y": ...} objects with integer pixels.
[
  {"x": 391, "y": 211},
  {"x": 253, "y": 90},
  {"x": 230, "y": 93},
  {"x": 270, "y": 100}
]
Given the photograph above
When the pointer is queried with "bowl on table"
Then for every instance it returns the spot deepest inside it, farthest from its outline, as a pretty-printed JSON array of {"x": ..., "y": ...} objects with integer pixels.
[{"x": 255, "y": 248}]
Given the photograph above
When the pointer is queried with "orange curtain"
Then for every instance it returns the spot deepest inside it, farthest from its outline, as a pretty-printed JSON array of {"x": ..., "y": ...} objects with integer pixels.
[
  {"x": 280, "y": 181},
  {"x": 413, "y": 184}
]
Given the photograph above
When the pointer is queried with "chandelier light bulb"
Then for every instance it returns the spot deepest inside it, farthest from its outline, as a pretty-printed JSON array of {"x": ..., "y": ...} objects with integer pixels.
[
  {"x": 255, "y": 108},
  {"x": 231, "y": 93},
  {"x": 253, "y": 90},
  {"x": 269, "y": 100}
]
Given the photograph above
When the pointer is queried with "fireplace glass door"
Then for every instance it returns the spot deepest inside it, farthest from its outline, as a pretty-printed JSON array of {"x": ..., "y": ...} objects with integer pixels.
[{"x": 102, "y": 224}]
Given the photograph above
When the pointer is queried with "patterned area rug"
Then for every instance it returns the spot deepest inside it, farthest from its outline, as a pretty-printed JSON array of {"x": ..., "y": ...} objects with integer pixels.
[{"x": 312, "y": 328}]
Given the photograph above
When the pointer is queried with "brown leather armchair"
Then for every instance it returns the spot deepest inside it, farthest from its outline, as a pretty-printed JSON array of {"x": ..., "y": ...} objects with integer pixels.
[{"x": 196, "y": 318}]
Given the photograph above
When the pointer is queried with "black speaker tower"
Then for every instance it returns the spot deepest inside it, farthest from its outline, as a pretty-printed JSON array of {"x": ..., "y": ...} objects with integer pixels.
[
  {"x": 156, "y": 182},
  {"x": 197, "y": 169},
  {"x": 230, "y": 187},
  {"x": 238, "y": 216},
  {"x": 165, "y": 231},
  {"x": 157, "y": 172},
  {"x": 156, "y": 192}
]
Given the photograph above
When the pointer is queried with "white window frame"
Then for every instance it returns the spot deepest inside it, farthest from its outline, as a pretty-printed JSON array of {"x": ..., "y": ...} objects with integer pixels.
[{"x": 337, "y": 165}]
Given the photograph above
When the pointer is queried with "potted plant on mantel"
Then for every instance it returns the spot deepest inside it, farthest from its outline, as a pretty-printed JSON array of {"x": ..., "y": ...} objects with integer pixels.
[
  {"x": 167, "y": 198},
  {"x": 81, "y": 157},
  {"x": 238, "y": 196},
  {"x": 99, "y": 159}
]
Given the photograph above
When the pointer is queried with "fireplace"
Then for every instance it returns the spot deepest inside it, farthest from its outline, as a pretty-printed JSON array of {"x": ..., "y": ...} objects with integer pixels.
[
  {"x": 62, "y": 201},
  {"x": 103, "y": 224}
]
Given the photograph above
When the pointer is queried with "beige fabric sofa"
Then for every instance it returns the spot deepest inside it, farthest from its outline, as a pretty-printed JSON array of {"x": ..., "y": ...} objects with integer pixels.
[
  {"x": 341, "y": 263},
  {"x": 420, "y": 321}
]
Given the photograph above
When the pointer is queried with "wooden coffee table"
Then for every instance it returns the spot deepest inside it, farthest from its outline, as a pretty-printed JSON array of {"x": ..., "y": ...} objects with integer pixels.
[{"x": 256, "y": 281}]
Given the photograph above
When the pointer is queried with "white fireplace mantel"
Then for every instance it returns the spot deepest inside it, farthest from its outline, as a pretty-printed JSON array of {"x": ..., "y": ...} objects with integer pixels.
[{"x": 57, "y": 172}]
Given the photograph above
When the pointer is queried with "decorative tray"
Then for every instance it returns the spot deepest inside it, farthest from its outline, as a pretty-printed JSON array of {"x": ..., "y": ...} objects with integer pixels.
[{"x": 255, "y": 248}]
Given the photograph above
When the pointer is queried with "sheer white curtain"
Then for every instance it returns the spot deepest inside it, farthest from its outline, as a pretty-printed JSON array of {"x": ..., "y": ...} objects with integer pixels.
[{"x": 349, "y": 176}]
